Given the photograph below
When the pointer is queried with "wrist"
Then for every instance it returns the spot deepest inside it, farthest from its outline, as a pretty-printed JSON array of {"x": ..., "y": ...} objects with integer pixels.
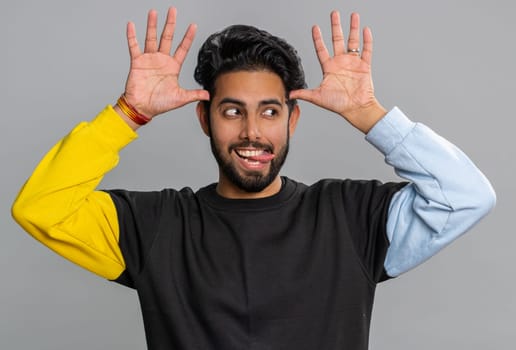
[
  {"x": 129, "y": 114},
  {"x": 364, "y": 118},
  {"x": 126, "y": 119}
]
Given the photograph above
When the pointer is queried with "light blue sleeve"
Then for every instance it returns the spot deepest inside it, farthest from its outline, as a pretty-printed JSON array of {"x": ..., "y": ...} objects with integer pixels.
[{"x": 446, "y": 196}]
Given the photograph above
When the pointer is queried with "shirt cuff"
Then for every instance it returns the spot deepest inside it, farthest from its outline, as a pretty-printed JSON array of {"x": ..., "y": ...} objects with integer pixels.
[
  {"x": 390, "y": 131},
  {"x": 112, "y": 129}
]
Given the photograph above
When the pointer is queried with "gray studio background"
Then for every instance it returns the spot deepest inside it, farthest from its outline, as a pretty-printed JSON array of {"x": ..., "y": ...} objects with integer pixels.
[{"x": 449, "y": 64}]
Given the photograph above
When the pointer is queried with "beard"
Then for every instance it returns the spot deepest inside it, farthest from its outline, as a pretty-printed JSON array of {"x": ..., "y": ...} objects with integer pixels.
[{"x": 254, "y": 181}]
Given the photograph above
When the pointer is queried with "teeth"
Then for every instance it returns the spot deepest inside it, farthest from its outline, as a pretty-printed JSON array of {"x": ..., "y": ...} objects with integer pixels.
[{"x": 249, "y": 153}]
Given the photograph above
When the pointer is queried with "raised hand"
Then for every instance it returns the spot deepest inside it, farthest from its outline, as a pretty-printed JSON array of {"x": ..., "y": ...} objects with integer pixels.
[
  {"x": 347, "y": 86},
  {"x": 152, "y": 86}
]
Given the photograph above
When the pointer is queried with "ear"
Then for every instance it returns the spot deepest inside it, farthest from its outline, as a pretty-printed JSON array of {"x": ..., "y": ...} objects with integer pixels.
[
  {"x": 204, "y": 120},
  {"x": 294, "y": 117}
]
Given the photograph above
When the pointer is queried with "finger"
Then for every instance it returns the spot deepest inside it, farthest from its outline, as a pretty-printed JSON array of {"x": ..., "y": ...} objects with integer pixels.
[
  {"x": 151, "y": 40},
  {"x": 337, "y": 37},
  {"x": 354, "y": 32},
  {"x": 367, "y": 52},
  {"x": 165, "y": 43},
  {"x": 320, "y": 48},
  {"x": 132, "y": 42},
  {"x": 184, "y": 46},
  {"x": 196, "y": 95},
  {"x": 188, "y": 96},
  {"x": 303, "y": 94}
]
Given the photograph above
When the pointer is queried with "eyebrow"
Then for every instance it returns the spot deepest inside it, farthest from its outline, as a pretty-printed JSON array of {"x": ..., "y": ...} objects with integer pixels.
[{"x": 271, "y": 101}]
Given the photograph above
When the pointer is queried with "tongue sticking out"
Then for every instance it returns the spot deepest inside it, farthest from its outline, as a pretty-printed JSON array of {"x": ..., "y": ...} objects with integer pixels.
[{"x": 262, "y": 158}]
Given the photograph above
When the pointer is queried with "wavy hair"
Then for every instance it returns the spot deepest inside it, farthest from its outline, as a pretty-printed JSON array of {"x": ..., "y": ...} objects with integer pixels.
[{"x": 246, "y": 48}]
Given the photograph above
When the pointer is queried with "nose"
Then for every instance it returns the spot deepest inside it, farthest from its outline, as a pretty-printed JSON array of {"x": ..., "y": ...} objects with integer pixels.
[{"x": 250, "y": 128}]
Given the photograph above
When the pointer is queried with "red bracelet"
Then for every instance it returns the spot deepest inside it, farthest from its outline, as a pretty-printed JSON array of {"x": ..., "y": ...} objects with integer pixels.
[{"x": 131, "y": 112}]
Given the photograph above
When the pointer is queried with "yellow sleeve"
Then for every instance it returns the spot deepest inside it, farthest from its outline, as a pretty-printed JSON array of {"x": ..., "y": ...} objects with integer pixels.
[{"x": 58, "y": 205}]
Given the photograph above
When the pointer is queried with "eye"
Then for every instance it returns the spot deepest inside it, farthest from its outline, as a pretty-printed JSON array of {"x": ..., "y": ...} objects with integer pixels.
[
  {"x": 231, "y": 112},
  {"x": 270, "y": 112}
]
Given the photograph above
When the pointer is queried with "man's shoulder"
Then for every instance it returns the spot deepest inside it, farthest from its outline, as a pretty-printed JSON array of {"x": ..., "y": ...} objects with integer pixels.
[
  {"x": 349, "y": 187},
  {"x": 165, "y": 194},
  {"x": 333, "y": 183}
]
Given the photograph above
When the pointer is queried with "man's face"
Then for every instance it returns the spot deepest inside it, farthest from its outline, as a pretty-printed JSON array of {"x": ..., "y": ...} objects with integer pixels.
[{"x": 249, "y": 128}]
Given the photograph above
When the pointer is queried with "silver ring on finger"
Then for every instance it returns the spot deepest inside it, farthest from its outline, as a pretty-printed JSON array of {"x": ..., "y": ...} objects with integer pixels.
[{"x": 354, "y": 51}]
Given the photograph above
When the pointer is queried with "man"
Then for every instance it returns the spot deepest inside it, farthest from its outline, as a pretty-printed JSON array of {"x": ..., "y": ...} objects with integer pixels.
[{"x": 255, "y": 261}]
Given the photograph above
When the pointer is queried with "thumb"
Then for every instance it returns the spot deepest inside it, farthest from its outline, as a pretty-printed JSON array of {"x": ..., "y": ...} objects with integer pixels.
[
  {"x": 196, "y": 95},
  {"x": 303, "y": 94}
]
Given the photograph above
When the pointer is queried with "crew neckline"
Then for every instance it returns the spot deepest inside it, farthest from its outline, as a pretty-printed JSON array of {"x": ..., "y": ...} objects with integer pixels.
[{"x": 212, "y": 198}]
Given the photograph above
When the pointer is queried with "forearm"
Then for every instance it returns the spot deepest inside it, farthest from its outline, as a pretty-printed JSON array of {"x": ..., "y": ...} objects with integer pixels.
[
  {"x": 59, "y": 206},
  {"x": 447, "y": 195}
]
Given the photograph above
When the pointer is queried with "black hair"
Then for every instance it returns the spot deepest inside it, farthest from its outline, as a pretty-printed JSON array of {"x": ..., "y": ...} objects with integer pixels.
[{"x": 246, "y": 48}]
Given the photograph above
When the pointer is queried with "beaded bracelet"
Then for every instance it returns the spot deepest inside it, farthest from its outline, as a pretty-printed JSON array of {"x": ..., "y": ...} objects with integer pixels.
[{"x": 131, "y": 112}]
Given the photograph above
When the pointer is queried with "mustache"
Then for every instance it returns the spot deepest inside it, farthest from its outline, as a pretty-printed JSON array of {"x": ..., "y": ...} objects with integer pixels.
[{"x": 252, "y": 144}]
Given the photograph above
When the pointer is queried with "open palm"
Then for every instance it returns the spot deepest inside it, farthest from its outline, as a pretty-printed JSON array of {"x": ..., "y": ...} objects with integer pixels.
[
  {"x": 347, "y": 86},
  {"x": 153, "y": 83}
]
